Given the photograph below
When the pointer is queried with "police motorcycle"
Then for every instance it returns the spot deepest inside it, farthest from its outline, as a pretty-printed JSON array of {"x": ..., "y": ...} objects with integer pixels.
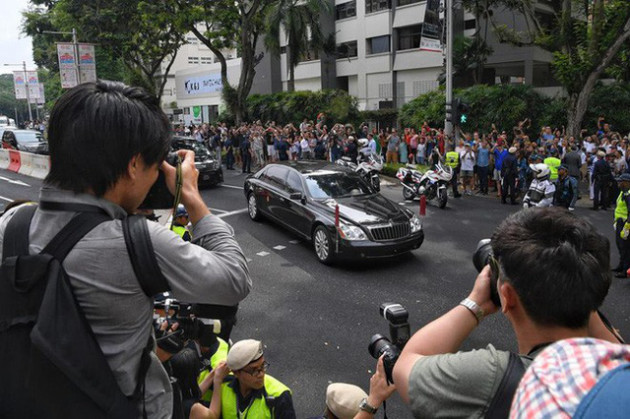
[
  {"x": 432, "y": 183},
  {"x": 369, "y": 165}
]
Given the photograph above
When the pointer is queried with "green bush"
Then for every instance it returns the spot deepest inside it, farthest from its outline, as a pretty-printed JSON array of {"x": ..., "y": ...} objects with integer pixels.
[
  {"x": 286, "y": 107},
  {"x": 390, "y": 169},
  {"x": 428, "y": 107},
  {"x": 384, "y": 117}
]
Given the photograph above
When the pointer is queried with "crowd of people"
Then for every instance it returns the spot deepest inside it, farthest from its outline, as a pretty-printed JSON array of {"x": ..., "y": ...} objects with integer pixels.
[{"x": 546, "y": 269}]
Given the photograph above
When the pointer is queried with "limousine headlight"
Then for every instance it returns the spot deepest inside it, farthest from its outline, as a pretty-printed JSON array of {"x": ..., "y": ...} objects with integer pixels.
[
  {"x": 350, "y": 232},
  {"x": 415, "y": 224}
]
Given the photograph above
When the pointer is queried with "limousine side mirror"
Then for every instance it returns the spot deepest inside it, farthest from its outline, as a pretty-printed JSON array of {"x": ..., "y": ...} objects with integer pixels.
[{"x": 295, "y": 196}]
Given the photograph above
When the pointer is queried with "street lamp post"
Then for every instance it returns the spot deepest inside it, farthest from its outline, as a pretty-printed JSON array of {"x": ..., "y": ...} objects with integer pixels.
[
  {"x": 448, "y": 125},
  {"x": 28, "y": 96}
]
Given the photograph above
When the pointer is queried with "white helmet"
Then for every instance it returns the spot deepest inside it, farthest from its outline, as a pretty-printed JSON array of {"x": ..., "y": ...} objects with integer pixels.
[
  {"x": 541, "y": 170},
  {"x": 363, "y": 142}
]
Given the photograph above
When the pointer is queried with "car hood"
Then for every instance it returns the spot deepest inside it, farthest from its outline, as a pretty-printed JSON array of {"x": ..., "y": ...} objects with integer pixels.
[{"x": 365, "y": 210}]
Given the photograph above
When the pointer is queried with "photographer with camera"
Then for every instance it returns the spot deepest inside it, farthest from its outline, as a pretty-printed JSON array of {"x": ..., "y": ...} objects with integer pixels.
[
  {"x": 550, "y": 272},
  {"x": 108, "y": 143}
]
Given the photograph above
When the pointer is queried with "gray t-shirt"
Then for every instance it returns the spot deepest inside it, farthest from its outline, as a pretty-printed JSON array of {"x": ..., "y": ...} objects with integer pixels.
[
  {"x": 393, "y": 143},
  {"x": 459, "y": 385},
  {"x": 212, "y": 269}
]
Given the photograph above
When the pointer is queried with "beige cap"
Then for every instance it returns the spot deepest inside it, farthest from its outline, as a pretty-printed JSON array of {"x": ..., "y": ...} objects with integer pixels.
[
  {"x": 512, "y": 150},
  {"x": 243, "y": 352},
  {"x": 601, "y": 153},
  {"x": 343, "y": 399}
]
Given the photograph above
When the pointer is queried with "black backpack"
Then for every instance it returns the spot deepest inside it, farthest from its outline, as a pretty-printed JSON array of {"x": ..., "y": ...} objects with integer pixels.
[{"x": 52, "y": 365}]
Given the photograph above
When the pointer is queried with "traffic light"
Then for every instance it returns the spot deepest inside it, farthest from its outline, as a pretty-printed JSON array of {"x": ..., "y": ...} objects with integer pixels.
[
  {"x": 452, "y": 114},
  {"x": 463, "y": 110}
]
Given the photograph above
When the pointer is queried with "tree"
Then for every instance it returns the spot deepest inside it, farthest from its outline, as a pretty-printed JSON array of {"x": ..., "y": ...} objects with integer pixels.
[
  {"x": 470, "y": 56},
  {"x": 226, "y": 25},
  {"x": 585, "y": 38},
  {"x": 297, "y": 19}
]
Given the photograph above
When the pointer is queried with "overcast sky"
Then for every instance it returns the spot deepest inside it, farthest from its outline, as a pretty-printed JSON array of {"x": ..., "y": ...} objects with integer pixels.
[{"x": 14, "y": 46}]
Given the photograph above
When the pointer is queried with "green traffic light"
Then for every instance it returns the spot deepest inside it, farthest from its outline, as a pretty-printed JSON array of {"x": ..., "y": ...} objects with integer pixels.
[{"x": 463, "y": 119}]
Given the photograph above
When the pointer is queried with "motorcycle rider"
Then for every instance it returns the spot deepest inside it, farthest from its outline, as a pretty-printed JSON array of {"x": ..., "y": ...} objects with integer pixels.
[
  {"x": 364, "y": 150},
  {"x": 541, "y": 190}
]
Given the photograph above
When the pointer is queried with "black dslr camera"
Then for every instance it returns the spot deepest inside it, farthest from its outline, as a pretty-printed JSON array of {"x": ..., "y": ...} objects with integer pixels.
[
  {"x": 483, "y": 256},
  {"x": 397, "y": 317},
  {"x": 159, "y": 197}
]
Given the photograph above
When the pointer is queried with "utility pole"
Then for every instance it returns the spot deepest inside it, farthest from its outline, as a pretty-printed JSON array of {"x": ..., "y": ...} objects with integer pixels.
[{"x": 448, "y": 10}]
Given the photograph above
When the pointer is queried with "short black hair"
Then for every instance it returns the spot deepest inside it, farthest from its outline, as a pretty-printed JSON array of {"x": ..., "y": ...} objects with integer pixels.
[
  {"x": 558, "y": 264},
  {"x": 96, "y": 128}
]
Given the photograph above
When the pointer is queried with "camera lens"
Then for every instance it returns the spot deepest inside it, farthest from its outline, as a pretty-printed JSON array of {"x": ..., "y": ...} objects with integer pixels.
[{"x": 379, "y": 345}]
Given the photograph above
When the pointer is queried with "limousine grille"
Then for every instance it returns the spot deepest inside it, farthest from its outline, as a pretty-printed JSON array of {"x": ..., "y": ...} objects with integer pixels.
[{"x": 393, "y": 231}]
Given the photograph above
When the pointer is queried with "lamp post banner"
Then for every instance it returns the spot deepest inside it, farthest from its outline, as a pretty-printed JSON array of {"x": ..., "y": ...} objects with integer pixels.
[{"x": 67, "y": 64}]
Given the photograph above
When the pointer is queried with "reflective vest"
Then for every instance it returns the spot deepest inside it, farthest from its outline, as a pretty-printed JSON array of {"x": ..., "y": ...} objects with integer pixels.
[
  {"x": 452, "y": 159},
  {"x": 258, "y": 408},
  {"x": 181, "y": 230},
  {"x": 553, "y": 164},
  {"x": 219, "y": 355},
  {"x": 621, "y": 210}
]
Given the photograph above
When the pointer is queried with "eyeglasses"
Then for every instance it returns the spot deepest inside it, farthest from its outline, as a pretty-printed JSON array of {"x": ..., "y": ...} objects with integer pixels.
[{"x": 257, "y": 371}]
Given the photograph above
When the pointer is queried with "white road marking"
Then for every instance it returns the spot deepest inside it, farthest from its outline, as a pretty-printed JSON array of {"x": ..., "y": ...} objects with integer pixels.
[
  {"x": 295, "y": 241},
  {"x": 15, "y": 182},
  {"x": 217, "y": 210},
  {"x": 232, "y": 186},
  {"x": 6, "y": 199},
  {"x": 249, "y": 260},
  {"x": 227, "y": 214},
  {"x": 279, "y": 247},
  {"x": 262, "y": 254}
]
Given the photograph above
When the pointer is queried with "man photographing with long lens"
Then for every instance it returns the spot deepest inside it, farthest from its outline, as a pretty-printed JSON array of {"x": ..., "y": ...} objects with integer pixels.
[
  {"x": 108, "y": 143},
  {"x": 552, "y": 274}
]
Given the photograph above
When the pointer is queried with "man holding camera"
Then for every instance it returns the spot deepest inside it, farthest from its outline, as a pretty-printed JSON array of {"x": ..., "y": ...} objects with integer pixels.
[
  {"x": 551, "y": 271},
  {"x": 108, "y": 142}
]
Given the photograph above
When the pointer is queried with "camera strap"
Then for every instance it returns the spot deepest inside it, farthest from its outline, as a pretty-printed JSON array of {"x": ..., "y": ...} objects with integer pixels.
[{"x": 178, "y": 189}]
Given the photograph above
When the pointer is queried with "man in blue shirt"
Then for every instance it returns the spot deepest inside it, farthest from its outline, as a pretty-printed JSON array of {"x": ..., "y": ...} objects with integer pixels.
[
  {"x": 483, "y": 163},
  {"x": 499, "y": 154}
]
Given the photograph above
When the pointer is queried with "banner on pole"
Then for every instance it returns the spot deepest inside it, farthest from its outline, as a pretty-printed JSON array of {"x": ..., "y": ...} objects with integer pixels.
[
  {"x": 430, "y": 37},
  {"x": 41, "y": 99},
  {"x": 87, "y": 62},
  {"x": 21, "y": 80},
  {"x": 67, "y": 64}
]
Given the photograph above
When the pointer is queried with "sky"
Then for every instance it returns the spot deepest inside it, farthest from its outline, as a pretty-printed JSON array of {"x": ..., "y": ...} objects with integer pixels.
[{"x": 15, "y": 47}]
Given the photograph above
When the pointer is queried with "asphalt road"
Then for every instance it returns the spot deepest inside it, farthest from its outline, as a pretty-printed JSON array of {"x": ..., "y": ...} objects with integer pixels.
[{"x": 316, "y": 321}]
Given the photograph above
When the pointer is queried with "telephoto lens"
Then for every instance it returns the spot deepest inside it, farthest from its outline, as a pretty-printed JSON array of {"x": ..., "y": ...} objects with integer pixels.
[
  {"x": 482, "y": 257},
  {"x": 380, "y": 345}
]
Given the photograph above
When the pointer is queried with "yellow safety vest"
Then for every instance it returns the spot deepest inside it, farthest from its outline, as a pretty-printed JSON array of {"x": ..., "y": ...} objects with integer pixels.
[
  {"x": 181, "y": 230},
  {"x": 452, "y": 159},
  {"x": 553, "y": 163},
  {"x": 258, "y": 408},
  {"x": 219, "y": 355},
  {"x": 621, "y": 210}
]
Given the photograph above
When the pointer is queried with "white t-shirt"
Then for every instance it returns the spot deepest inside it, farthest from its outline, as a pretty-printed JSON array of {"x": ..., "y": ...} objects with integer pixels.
[
  {"x": 468, "y": 160},
  {"x": 304, "y": 145}
]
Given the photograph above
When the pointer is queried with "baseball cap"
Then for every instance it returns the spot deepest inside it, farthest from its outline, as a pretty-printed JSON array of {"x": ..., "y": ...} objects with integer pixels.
[
  {"x": 343, "y": 399},
  {"x": 243, "y": 352}
]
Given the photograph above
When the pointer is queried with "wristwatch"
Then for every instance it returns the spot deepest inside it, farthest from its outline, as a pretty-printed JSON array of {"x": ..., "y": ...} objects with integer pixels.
[
  {"x": 474, "y": 308},
  {"x": 366, "y": 407}
]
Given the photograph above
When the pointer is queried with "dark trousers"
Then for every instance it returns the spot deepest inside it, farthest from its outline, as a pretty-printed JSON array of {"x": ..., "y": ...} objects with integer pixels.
[
  {"x": 247, "y": 162},
  {"x": 229, "y": 160},
  {"x": 482, "y": 172},
  {"x": 454, "y": 183},
  {"x": 622, "y": 245},
  {"x": 577, "y": 178},
  {"x": 508, "y": 187},
  {"x": 600, "y": 198}
]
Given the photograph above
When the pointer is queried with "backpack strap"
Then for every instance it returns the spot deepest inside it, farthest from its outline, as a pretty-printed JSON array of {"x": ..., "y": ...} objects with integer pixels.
[
  {"x": 17, "y": 229},
  {"x": 142, "y": 255},
  {"x": 500, "y": 405},
  {"x": 69, "y": 236}
]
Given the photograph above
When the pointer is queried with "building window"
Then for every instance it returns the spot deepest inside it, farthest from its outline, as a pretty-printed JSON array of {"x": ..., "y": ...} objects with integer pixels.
[
  {"x": 470, "y": 24},
  {"x": 409, "y": 37},
  {"x": 346, "y": 10},
  {"x": 372, "y": 6},
  {"x": 206, "y": 60},
  {"x": 310, "y": 55},
  {"x": 377, "y": 44},
  {"x": 192, "y": 40},
  {"x": 347, "y": 50},
  {"x": 406, "y": 2},
  {"x": 193, "y": 60}
]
